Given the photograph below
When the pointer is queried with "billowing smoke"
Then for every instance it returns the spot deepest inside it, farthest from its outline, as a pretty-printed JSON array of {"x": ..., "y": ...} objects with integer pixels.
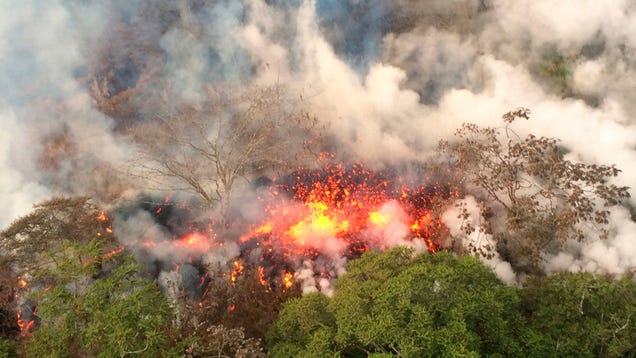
[{"x": 386, "y": 80}]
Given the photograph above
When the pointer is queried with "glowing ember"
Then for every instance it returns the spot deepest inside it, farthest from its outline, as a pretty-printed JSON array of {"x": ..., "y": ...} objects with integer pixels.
[
  {"x": 288, "y": 280},
  {"x": 236, "y": 271},
  {"x": 26, "y": 324},
  {"x": 21, "y": 282},
  {"x": 113, "y": 253},
  {"x": 261, "y": 276}
]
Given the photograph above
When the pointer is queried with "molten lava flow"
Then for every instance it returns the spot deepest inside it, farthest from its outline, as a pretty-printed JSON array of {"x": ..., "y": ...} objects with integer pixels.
[
  {"x": 312, "y": 221},
  {"x": 338, "y": 212},
  {"x": 194, "y": 241}
]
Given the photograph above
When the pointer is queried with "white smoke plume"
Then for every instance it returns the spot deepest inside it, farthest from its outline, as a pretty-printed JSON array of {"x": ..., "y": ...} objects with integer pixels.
[
  {"x": 387, "y": 79},
  {"x": 477, "y": 239}
]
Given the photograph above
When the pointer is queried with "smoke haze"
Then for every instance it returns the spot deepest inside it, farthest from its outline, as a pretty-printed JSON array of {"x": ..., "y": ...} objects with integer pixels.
[{"x": 387, "y": 80}]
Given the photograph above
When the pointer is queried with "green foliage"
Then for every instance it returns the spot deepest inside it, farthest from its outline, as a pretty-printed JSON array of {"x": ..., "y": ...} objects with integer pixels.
[
  {"x": 580, "y": 315},
  {"x": 306, "y": 326},
  {"x": 8, "y": 348},
  {"x": 396, "y": 303},
  {"x": 41, "y": 239},
  {"x": 554, "y": 70},
  {"x": 546, "y": 199},
  {"x": 116, "y": 315}
]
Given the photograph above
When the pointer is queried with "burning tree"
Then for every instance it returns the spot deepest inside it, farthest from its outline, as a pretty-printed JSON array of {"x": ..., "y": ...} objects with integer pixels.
[
  {"x": 205, "y": 150},
  {"x": 547, "y": 199}
]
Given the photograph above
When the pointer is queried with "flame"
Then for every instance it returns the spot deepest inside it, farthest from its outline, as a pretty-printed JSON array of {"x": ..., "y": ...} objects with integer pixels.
[
  {"x": 261, "y": 276},
  {"x": 288, "y": 280},
  {"x": 25, "y": 326},
  {"x": 379, "y": 219},
  {"x": 338, "y": 212},
  {"x": 318, "y": 223},
  {"x": 102, "y": 217},
  {"x": 194, "y": 241},
  {"x": 21, "y": 282},
  {"x": 113, "y": 253},
  {"x": 264, "y": 229},
  {"x": 336, "y": 207},
  {"x": 321, "y": 217},
  {"x": 238, "y": 270}
]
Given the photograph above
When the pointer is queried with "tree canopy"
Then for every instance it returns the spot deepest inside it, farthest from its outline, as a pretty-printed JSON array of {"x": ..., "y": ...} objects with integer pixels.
[
  {"x": 397, "y": 303},
  {"x": 545, "y": 198}
]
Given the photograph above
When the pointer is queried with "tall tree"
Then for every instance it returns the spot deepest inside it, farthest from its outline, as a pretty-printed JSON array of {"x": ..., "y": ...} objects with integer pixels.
[
  {"x": 207, "y": 149},
  {"x": 546, "y": 199}
]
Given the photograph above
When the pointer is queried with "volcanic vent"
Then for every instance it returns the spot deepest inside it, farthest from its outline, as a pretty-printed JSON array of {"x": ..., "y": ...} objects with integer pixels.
[{"x": 309, "y": 224}]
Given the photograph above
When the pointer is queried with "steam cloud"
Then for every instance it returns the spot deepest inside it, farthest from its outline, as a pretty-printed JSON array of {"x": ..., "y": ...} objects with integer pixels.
[{"x": 388, "y": 79}]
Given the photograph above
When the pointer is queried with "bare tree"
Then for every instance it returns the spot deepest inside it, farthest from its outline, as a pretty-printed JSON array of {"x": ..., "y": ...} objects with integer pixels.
[
  {"x": 206, "y": 149},
  {"x": 546, "y": 198}
]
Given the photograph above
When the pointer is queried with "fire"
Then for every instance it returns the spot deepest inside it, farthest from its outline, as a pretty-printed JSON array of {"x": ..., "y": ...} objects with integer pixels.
[
  {"x": 288, "y": 280},
  {"x": 379, "y": 219},
  {"x": 344, "y": 206},
  {"x": 236, "y": 271},
  {"x": 315, "y": 220},
  {"x": 113, "y": 253},
  {"x": 340, "y": 212},
  {"x": 261, "y": 276},
  {"x": 318, "y": 223},
  {"x": 194, "y": 241},
  {"x": 26, "y": 325},
  {"x": 21, "y": 282}
]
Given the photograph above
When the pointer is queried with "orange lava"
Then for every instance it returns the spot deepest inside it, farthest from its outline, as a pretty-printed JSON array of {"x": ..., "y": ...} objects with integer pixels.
[{"x": 194, "y": 241}]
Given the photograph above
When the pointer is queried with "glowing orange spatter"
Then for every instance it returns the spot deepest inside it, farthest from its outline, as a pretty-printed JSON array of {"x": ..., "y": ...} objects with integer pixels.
[
  {"x": 342, "y": 206},
  {"x": 194, "y": 241}
]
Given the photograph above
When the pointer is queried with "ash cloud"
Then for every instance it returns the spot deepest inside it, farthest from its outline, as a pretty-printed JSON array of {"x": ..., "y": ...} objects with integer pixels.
[{"x": 387, "y": 80}]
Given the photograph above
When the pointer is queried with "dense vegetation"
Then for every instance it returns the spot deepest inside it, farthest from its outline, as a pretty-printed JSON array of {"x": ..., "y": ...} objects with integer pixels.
[
  {"x": 87, "y": 296},
  {"x": 400, "y": 304},
  {"x": 395, "y": 303}
]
